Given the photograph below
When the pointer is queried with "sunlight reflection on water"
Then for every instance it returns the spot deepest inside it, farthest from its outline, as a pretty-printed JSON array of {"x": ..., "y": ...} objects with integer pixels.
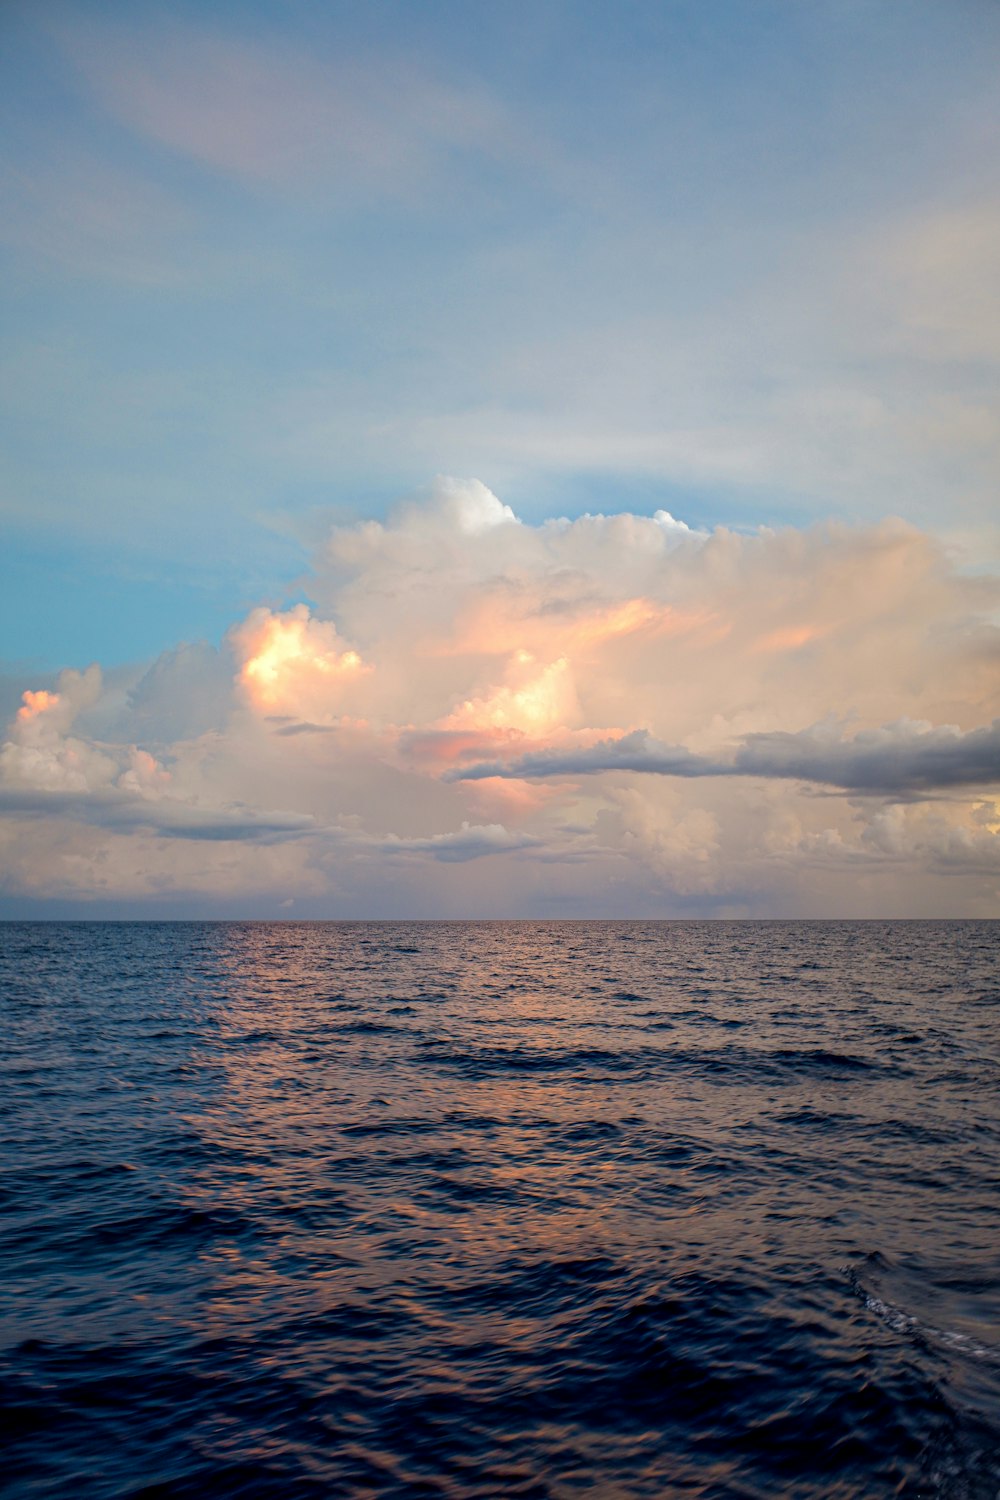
[{"x": 484, "y": 1209}]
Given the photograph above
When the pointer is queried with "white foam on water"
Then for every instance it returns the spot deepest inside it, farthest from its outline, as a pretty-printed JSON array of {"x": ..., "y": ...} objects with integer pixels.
[{"x": 903, "y": 1322}]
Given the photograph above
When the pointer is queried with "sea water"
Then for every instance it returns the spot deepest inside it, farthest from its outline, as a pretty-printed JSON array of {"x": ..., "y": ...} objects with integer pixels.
[{"x": 548, "y": 1209}]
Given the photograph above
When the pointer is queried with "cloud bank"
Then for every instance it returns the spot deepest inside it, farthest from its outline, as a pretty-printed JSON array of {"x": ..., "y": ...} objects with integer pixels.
[
  {"x": 900, "y": 760},
  {"x": 477, "y": 716}
]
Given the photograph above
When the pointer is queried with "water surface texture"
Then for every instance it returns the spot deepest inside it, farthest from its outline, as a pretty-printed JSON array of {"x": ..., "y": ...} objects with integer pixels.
[{"x": 500, "y": 1209}]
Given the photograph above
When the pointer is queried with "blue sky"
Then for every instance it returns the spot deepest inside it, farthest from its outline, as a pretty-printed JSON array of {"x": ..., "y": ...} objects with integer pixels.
[{"x": 270, "y": 263}]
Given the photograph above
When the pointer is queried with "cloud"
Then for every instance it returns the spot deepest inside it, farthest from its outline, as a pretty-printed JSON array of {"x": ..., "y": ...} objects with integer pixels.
[
  {"x": 408, "y": 255},
  {"x": 289, "y": 660},
  {"x": 184, "y": 693},
  {"x": 471, "y": 841},
  {"x": 167, "y": 817},
  {"x": 638, "y": 713},
  {"x": 274, "y": 113},
  {"x": 908, "y": 835},
  {"x": 897, "y": 760},
  {"x": 304, "y": 727},
  {"x": 536, "y": 699},
  {"x": 637, "y": 751},
  {"x": 48, "y": 772}
]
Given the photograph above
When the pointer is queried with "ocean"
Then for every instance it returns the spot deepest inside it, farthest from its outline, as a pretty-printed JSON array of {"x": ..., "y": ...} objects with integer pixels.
[{"x": 500, "y": 1209}]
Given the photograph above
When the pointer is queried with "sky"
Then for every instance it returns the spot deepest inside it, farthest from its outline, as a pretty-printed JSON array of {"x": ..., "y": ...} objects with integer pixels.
[{"x": 465, "y": 460}]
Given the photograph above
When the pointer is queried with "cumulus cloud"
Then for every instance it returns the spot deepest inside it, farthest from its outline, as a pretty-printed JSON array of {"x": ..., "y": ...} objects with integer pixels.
[
  {"x": 291, "y": 661},
  {"x": 184, "y": 693},
  {"x": 47, "y": 772},
  {"x": 634, "y": 711}
]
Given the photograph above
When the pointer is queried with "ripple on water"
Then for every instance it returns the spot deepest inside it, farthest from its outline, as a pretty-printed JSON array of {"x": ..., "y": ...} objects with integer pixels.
[{"x": 500, "y": 1209}]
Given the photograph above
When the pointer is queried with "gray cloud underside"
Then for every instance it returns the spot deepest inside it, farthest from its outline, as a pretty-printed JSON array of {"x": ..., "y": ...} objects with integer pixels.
[
  {"x": 241, "y": 825},
  {"x": 904, "y": 759},
  {"x": 170, "y": 820},
  {"x": 466, "y": 843},
  {"x": 306, "y": 728}
]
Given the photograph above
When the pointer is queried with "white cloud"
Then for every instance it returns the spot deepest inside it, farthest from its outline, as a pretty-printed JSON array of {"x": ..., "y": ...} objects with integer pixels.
[{"x": 467, "y": 685}]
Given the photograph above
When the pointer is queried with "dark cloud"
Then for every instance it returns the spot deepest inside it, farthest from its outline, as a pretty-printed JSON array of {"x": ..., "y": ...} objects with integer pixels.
[
  {"x": 305, "y": 728},
  {"x": 170, "y": 819},
  {"x": 638, "y": 751},
  {"x": 904, "y": 759}
]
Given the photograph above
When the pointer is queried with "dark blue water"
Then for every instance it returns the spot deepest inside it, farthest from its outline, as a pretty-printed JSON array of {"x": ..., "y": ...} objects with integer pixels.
[{"x": 509, "y": 1209}]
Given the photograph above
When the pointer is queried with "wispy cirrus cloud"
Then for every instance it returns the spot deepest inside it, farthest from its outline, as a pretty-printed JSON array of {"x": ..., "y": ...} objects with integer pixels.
[{"x": 276, "y": 113}]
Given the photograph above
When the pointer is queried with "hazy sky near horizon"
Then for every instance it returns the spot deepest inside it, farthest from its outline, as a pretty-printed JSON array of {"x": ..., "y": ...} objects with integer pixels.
[{"x": 699, "y": 306}]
